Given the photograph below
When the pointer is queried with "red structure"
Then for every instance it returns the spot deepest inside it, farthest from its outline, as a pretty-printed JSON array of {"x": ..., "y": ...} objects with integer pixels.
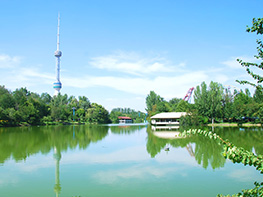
[
  {"x": 124, "y": 119},
  {"x": 188, "y": 94}
]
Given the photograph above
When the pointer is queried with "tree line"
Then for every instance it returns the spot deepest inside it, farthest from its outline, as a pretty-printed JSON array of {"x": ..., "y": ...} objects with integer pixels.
[
  {"x": 136, "y": 116},
  {"x": 22, "y": 107},
  {"x": 213, "y": 103}
]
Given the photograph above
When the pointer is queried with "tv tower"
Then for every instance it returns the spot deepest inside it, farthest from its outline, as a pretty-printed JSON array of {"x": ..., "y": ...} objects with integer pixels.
[{"x": 57, "y": 85}]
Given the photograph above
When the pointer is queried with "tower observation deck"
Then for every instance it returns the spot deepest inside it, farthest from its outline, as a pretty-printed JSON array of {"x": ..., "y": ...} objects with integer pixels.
[{"x": 57, "y": 84}]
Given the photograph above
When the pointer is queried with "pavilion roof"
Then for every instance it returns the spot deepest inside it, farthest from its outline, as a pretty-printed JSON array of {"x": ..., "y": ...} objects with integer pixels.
[
  {"x": 124, "y": 118},
  {"x": 168, "y": 115}
]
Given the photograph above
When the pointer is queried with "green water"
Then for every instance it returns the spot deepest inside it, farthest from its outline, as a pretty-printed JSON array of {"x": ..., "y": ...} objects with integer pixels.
[{"x": 120, "y": 161}]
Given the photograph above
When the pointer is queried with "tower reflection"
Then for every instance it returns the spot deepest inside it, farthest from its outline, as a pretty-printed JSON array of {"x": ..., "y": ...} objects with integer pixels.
[{"x": 57, "y": 157}]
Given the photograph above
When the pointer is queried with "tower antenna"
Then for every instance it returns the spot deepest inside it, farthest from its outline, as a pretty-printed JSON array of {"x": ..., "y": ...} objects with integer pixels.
[
  {"x": 58, "y": 32},
  {"x": 58, "y": 85}
]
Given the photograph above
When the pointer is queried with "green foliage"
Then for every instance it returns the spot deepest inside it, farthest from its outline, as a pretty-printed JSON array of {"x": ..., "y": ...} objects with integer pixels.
[
  {"x": 22, "y": 107},
  {"x": 222, "y": 105},
  {"x": 192, "y": 119},
  {"x": 255, "y": 192},
  {"x": 258, "y": 95},
  {"x": 172, "y": 104},
  {"x": 201, "y": 99},
  {"x": 97, "y": 114},
  {"x": 136, "y": 116},
  {"x": 182, "y": 106},
  {"x": 213, "y": 103},
  {"x": 208, "y": 101},
  {"x": 155, "y": 104},
  {"x": 258, "y": 29},
  {"x": 6, "y": 99}
]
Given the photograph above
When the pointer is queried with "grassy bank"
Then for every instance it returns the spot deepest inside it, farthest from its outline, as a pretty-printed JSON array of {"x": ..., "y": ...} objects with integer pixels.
[{"x": 225, "y": 124}]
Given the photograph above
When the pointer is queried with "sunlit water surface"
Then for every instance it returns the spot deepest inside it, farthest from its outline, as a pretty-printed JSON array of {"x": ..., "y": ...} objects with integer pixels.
[{"x": 120, "y": 161}]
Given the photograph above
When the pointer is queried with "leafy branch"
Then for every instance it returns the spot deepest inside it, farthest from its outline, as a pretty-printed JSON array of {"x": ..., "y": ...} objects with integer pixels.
[{"x": 257, "y": 27}]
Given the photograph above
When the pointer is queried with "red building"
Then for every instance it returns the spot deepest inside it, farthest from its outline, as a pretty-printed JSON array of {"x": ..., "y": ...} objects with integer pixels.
[{"x": 124, "y": 119}]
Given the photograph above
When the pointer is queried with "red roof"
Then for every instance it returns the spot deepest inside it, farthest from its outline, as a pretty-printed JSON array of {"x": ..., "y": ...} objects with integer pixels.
[{"x": 124, "y": 117}]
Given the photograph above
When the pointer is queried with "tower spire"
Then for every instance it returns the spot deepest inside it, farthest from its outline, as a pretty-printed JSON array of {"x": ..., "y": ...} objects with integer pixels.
[
  {"x": 57, "y": 85},
  {"x": 58, "y": 32}
]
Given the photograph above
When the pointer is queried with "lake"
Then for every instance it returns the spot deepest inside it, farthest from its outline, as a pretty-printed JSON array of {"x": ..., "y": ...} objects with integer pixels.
[{"x": 121, "y": 160}]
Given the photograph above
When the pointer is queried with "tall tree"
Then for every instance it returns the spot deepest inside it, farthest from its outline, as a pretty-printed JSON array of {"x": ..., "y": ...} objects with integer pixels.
[
  {"x": 258, "y": 95},
  {"x": 208, "y": 101},
  {"x": 200, "y": 99},
  {"x": 227, "y": 103},
  {"x": 155, "y": 104},
  {"x": 215, "y": 98}
]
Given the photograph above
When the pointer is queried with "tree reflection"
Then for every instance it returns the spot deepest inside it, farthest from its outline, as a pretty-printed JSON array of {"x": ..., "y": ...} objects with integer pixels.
[
  {"x": 20, "y": 143},
  {"x": 250, "y": 138},
  {"x": 126, "y": 129},
  {"x": 208, "y": 151}
]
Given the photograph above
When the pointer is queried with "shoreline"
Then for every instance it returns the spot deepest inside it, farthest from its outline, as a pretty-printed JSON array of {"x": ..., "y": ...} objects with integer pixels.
[{"x": 235, "y": 125}]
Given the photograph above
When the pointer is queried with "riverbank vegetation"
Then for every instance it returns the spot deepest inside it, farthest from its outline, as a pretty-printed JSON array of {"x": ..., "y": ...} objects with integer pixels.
[
  {"x": 212, "y": 104},
  {"x": 22, "y": 107}
]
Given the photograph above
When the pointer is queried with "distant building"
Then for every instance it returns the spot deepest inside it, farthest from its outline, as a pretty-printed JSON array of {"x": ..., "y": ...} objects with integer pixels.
[
  {"x": 124, "y": 120},
  {"x": 167, "y": 120}
]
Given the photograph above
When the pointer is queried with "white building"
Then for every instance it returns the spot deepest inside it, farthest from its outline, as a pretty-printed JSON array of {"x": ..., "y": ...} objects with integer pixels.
[{"x": 167, "y": 120}]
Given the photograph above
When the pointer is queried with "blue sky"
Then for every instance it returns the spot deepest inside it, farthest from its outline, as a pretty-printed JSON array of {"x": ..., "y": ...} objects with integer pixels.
[{"x": 116, "y": 51}]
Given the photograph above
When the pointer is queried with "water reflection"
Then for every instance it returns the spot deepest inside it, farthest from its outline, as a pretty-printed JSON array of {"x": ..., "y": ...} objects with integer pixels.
[
  {"x": 126, "y": 129},
  {"x": 20, "y": 143},
  {"x": 120, "y": 158},
  {"x": 57, "y": 157},
  {"x": 249, "y": 138},
  {"x": 205, "y": 151}
]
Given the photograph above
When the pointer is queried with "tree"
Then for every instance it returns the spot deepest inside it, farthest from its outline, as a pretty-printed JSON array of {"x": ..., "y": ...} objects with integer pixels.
[
  {"x": 258, "y": 95},
  {"x": 97, "y": 114},
  {"x": 240, "y": 105},
  {"x": 151, "y": 100},
  {"x": 208, "y": 101},
  {"x": 6, "y": 99},
  {"x": 59, "y": 108},
  {"x": 84, "y": 102},
  {"x": 155, "y": 104},
  {"x": 257, "y": 26},
  {"x": 227, "y": 103},
  {"x": 215, "y": 97},
  {"x": 172, "y": 104},
  {"x": 200, "y": 99},
  {"x": 182, "y": 106}
]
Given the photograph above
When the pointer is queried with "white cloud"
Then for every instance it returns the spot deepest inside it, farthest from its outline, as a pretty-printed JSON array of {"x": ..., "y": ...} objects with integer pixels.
[
  {"x": 138, "y": 172},
  {"x": 244, "y": 175},
  {"x": 8, "y": 178},
  {"x": 168, "y": 87},
  {"x": 7, "y": 61},
  {"x": 24, "y": 77},
  {"x": 234, "y": 64},
  {"x": 133, "y": 63}
]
